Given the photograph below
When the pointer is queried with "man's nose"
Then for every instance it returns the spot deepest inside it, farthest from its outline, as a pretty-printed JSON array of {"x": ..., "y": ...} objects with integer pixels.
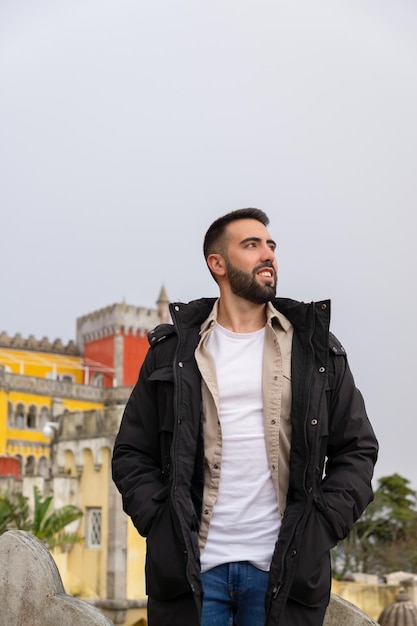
[{"x": 268, "y": 254}]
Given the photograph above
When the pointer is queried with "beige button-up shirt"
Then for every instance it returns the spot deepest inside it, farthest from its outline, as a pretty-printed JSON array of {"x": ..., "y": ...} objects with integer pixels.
[{"x": 276, "y": 391}]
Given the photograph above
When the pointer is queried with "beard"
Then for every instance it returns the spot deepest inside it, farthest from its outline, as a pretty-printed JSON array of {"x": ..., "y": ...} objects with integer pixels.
[{"x": 246, "y": 286}]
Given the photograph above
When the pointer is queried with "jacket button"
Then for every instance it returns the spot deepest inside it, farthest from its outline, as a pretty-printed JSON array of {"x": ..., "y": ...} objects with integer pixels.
[
  {"x": 180, "y": 364},
  {"x": 324, "y": 306},
  {"x": 322, "y": 369},
  {"x": 294, "y": 553},
  {"x": 176, "y": 307},
  {"x": 313, "y": 422}
]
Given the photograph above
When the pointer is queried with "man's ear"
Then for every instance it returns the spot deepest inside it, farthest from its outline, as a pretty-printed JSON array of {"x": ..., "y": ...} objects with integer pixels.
[{"x": 216, "y": 264}]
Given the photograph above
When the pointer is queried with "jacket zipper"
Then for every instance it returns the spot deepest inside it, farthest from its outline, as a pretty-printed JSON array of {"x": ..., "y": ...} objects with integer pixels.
[{"x": 307, "y": 407}]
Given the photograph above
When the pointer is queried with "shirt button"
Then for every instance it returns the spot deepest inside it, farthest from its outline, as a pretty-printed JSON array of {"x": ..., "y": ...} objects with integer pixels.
[
  {"x": 216, "y": 466},
  {"x": 206, "y": 512},
  {"x": 272, "y": 421}
]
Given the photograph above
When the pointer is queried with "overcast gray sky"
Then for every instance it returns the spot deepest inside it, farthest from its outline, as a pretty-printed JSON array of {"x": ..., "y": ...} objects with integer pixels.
[{"x": 126, "y": 127}]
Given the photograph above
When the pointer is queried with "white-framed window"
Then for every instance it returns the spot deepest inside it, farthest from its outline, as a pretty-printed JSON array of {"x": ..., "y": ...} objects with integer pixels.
[
  {"x": 19, "y": 419},
  {"x": 31, "y": 417},
  {"x": 97, "y": 380},
  {"x": 93, "y": 529},
  {"x": 65, "y": 378}
]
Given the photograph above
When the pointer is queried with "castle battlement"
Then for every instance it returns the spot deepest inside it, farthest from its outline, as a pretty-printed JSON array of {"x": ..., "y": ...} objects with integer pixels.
[
  {"x": 113, "y": 320},
  {"x": 38, "y": 345},
  {"x": 121, "y": 319}
]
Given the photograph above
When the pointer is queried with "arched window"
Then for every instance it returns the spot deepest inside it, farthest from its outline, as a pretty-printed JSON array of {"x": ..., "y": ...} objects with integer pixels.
[
  {"x": 31, "y": 416},
  {"x": 19, "y": 419},
  {"x": 66, "y": 378},
  {"x": 43, "y": 417},
  {"x": 98, "y": 380},
  {"x": 43, "y": 467},
  {"x": 30, "y": 466}
]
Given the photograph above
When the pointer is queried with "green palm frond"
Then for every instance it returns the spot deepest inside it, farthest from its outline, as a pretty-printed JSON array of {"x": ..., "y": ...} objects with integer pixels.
[{"x": 46, "y": 524}]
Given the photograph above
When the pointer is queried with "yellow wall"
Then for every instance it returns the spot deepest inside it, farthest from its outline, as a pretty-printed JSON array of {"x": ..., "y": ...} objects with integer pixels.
[
  {"x": 3, "y": 421},
  {"x": 28, "y": 434},
  {"x": 80, "y": 405},
  {"x": 89, "y": 565},
  {"x": 371, "y": 599},
  {"x": 41, "y": 364},
  {"x": 135, "y": 575}
]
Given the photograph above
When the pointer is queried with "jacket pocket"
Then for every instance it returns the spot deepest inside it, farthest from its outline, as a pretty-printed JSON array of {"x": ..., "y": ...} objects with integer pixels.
[
  {"x": 163, "y": 381},
  {"x": 166, "y": 558},
  {"x": 312, "y": 576}
]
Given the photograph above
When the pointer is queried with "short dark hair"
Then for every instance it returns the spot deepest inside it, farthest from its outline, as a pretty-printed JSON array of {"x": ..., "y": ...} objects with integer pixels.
[{"x": 214, "y": 234}]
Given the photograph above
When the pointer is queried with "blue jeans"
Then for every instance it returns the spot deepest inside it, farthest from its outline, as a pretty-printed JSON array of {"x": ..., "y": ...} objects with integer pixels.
[{"x": 234, "y": 595}]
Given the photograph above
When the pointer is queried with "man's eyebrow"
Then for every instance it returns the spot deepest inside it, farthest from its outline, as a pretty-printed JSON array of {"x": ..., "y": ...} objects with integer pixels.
[{"x": 258, "y": 239}]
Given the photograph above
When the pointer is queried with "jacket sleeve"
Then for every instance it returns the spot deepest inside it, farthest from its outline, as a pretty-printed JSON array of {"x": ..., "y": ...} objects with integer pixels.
[
  {"x": 352, "y": 451},
  {"x": 136, "y": 463}
]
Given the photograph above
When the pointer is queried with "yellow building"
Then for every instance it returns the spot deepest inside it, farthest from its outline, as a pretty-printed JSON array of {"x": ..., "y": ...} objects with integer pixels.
[{"x": 38, "y": 381}]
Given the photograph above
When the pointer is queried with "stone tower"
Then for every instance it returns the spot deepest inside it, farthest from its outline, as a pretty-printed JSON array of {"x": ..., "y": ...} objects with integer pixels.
[{"x": 116, "y": 337}]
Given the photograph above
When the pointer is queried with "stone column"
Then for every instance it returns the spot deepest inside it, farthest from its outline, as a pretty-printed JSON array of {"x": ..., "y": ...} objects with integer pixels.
[{"x": 116, "y": 546}]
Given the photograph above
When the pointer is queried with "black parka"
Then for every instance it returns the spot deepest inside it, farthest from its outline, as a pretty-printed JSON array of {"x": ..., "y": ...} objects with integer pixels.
[{"x": 158, "y": 458}]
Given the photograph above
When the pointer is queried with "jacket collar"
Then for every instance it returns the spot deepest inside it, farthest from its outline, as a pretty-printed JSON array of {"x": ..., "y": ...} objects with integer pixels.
[{"x": 284, "y": 310}]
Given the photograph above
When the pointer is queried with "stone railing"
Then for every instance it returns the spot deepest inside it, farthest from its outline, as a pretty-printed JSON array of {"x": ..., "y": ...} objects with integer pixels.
[
  {"x": 32, "y": 593},
  {"x": 110, "y": 396},
  {"x": 51, "y": 388},
  {"x": 31, "y": 589},
  {"x": 343, "y": 613}
]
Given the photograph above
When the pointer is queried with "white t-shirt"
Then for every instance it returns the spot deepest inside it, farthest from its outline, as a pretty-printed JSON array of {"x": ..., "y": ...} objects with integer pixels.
[{"x": 245, "y": 520}]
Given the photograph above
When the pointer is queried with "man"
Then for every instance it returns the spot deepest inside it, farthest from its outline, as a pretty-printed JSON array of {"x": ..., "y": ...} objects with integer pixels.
[{"x": 245, "y": 453}]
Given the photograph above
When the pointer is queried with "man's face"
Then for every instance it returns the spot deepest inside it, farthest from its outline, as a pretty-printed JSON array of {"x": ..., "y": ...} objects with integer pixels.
[{"x": 251, "y": 266}]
